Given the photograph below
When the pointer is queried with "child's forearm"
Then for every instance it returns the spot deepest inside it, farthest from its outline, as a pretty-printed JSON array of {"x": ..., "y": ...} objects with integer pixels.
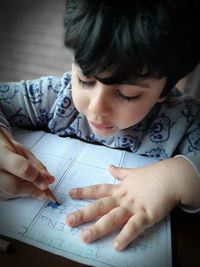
[{"x": 187, "y": 181}]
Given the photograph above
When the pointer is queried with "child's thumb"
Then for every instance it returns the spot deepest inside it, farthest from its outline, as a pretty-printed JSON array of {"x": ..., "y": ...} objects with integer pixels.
[{"x": 118, "y": 172}]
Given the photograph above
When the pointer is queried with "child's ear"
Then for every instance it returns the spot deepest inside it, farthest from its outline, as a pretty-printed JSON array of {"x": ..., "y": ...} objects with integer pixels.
[{"x": 161, "y": 99}]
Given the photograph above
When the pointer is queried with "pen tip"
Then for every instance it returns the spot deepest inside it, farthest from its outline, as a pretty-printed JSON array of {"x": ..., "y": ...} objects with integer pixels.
[
  {"x": 54, "y": 200},
  {"x": 54, "y": 205},
  {"x": 52, "y": 197}
]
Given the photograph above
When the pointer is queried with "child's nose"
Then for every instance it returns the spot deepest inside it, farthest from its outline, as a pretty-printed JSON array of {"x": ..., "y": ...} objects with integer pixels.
[{"x": 100, "y": 102}]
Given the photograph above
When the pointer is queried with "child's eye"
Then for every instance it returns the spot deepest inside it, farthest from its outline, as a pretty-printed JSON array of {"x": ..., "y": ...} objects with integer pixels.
[
  {"x": 86, "y": 83},
  {"x": 127, "y": 98}
]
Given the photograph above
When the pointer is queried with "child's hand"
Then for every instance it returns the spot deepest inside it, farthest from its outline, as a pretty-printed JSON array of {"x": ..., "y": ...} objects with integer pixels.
[
  {"x": 144, "y": 197},
  {"x": 22, "y": 176}
]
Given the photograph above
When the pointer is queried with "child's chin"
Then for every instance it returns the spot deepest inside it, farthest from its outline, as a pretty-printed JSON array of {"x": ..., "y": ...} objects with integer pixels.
[{"x": 104, "y": 133}]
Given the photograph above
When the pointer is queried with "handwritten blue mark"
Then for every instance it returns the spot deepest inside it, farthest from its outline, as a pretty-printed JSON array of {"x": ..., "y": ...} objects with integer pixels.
[{"x": 54, "y": 205}]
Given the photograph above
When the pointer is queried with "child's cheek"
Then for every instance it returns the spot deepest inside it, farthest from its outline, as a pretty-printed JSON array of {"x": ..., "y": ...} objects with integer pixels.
[{"x": 79, "y": 100}]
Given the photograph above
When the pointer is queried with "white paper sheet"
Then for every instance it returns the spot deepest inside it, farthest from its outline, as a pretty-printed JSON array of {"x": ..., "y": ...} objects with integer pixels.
[{"x": 76, "y": 163}]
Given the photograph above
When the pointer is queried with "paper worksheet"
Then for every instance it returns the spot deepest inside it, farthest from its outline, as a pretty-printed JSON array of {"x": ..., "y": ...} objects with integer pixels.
[{"x": 74, "y": 164}]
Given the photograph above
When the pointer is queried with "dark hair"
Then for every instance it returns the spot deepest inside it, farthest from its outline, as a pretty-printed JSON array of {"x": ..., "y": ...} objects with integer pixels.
[{"x": 134, "y": 39}]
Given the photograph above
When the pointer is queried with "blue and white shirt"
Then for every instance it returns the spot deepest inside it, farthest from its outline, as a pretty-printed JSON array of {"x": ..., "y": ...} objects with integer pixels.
[{"x": 171, "y": 128}]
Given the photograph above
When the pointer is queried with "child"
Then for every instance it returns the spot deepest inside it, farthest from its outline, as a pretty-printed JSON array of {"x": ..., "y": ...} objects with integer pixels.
[{"x": 120, "y": 93}]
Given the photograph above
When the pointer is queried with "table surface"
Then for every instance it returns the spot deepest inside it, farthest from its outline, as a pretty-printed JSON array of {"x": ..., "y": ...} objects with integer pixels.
[{"x": 185, "y": 247}]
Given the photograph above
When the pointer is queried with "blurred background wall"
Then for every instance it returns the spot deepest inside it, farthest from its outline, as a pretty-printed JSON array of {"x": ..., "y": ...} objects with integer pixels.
[{"x": 32, "y": 39}]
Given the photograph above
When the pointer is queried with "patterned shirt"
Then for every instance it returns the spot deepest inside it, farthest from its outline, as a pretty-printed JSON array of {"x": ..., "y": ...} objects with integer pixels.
[{"x": 171, "y": 128}]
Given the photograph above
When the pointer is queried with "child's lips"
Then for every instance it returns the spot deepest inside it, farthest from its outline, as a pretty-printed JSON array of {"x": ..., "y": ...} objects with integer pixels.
[{"x": 101, "y": 126}]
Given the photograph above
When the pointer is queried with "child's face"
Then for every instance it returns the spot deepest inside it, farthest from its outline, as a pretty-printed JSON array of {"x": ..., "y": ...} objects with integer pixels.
[{"x": 111, "y": 108}]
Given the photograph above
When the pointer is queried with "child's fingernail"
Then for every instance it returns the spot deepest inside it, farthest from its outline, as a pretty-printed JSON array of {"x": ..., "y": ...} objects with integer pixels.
[
  {"x": 43, "y": 185},
  {"x": 71, "y": 220},
  {"x": 72, "y": 193},
  {"x": 86, "y": 235},
  {"x": 117, "y": 246},
  {"x": 51, "y": 178}
]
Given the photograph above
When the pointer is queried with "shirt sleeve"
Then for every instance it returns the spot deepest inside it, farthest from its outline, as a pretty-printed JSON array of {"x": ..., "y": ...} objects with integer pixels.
[
  {"x": 189, "y": 146},
  {"x": 33, "y": 103},
  {"x": 190, "y": 149}
]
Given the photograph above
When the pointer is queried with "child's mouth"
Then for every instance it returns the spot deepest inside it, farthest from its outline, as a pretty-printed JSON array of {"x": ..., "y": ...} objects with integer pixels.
[{"x": 100, "y": 126}]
